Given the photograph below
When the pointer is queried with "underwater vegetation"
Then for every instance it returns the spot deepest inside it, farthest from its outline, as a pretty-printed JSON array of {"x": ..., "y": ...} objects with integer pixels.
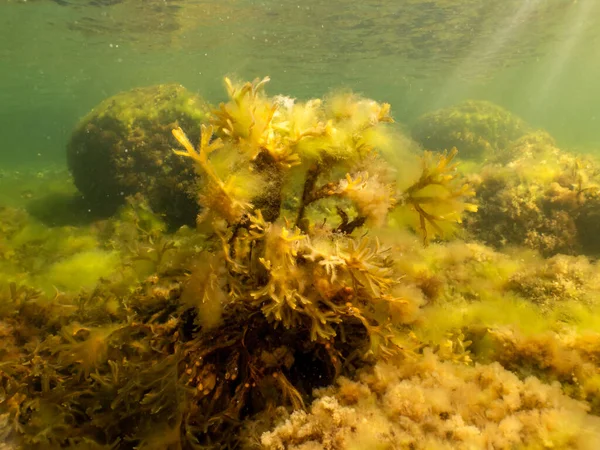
[
  {"x": 281, "y": 274},
  {"x": 51, "y": 258},
  {"x": 542, "y": 197},
  {"x": 530, "y": 192},
  {"x": 123, "y": 147},
  {"x": 537, "y": 317},
  {"x": 432, "y": 404},
  {"x": 322, "y": 300},
  {"x": 486, "y": 364},
  {"x": 289, "y": 259}
]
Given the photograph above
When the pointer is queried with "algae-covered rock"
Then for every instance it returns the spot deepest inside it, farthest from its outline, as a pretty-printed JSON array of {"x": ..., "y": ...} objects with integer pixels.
[
  {"x": 545, "y": 199},
  {"x": 478, "y": 129},
  {"x": 124, "y": 146}
]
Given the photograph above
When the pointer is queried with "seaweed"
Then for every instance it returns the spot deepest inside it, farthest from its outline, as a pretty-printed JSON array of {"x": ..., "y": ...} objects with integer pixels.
[
  {"x": 291, "y": 266},
  {"x": 541, "y": 197},
  {"x": 278, "y": 268},
  {"x": 438, "y": 196}
]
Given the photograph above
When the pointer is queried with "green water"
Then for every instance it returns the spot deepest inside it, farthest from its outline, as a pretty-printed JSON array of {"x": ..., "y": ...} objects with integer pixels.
[
  {"x": 58, "y": 59},
  {"x": 308, "y": 259}
]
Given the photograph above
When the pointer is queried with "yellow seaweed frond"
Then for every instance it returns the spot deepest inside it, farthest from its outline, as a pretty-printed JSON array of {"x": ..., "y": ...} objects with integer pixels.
[
  {"x": 217, "y": 197},
  {"x": 368, "y": 263},
  {"x": 281, "y": 151},
  {"x": 384, "y": 113},
  {"x": 85, "y": 347},
  {"x": 247, "y": 118},
  {"x": 249, "y": 88},
  {"x": 455, "y": 347},
  {"x": 205, "y": 148},
  {"x": 305, "y": 129},
  {"x": 283, "y": 246},
  {"x": 439, "y": 197},
  {"x": 289, "y": 297},
  {"x": 360, "y": 111},
  {"x": 344, "y": 127},
  {"x": 372, "y": 197},
  {"x": 363, "y": 263},
  {"x": 204, "y": 291}
]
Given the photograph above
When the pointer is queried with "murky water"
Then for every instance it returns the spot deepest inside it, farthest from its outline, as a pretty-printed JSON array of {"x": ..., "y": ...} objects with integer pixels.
[
  {"x": 538, "y": 58},
  {"x": 392, "y": 242}
]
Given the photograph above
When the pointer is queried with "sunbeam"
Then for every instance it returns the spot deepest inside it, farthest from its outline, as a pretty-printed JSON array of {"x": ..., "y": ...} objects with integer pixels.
[
  {"x": 479, "y": 63},
  {"x": 574, "y": 33}
]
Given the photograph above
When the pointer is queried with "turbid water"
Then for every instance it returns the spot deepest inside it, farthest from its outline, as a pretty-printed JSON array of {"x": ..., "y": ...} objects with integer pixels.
[
  {"x": 281, "y": 225},
  {"x": 538, "y": 58}
]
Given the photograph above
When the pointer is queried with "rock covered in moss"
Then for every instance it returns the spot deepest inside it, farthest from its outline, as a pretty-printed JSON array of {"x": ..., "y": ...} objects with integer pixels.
[
  {"x": 545, "y": 199},
  {"x": 478, "y": 129},
  {"x": 124, "y": 147},
  {"x": 530, "y": 145}
]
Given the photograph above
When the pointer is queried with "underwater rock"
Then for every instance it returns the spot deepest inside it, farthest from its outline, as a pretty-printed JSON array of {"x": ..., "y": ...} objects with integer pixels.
[
  {"x": 545, "y": 199},
  {"x": 478, "y": 129},
  {"x": 123, "y": 147}
]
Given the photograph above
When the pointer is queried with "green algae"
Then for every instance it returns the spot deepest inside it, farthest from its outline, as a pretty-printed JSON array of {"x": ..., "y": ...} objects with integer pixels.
[{"x": 82, "y": 270}]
